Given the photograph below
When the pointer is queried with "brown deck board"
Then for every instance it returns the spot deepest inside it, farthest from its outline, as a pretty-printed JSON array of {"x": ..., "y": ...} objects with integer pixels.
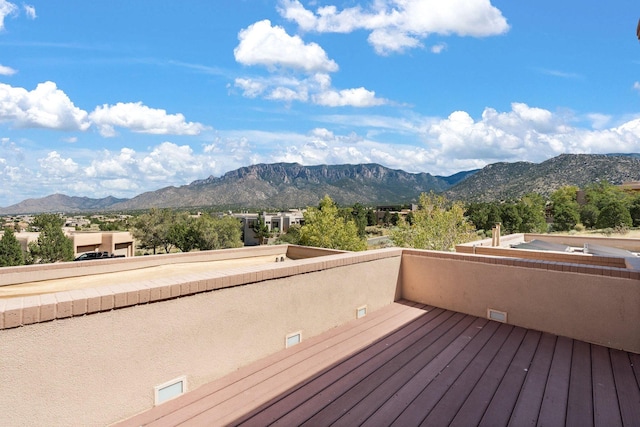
[
  {"x": 311, "y": 393},
  {"x": 475, "y": 405},
  {"x": 408, "y": 365},
  {"x": 529, "y": 401},
  {"x": 627, "y": 386},
  {"x": 390, "y": 409},
  {"x": 606, "y": 411},
  {"x": 428, "y": 396},
  {"x": 504, "y": 400},
  {"x": 448, "y": 406},
  {"x": 378, "y": 387},
  {"x": 554, "y": 403},
  {"x": 580, "y": 403}
]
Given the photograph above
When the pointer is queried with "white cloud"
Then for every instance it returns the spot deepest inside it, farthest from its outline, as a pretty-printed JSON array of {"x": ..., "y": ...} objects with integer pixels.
[
  {"x": 55, "y": 166},
  {"x": 6, "y": 9},
  {"x": 30, "y": 11},
  {"x": 636, "y": 86},
  {"x": 316, "y": 89},
  {"x": 396, "y": 25},
  {"x": 359, "y": 97},
  {"x": 271, "y": 46},
  {"x": 44, "y": 107},
  {"x": 141, "y": 119},
  {"x": 7, "y": 71}
]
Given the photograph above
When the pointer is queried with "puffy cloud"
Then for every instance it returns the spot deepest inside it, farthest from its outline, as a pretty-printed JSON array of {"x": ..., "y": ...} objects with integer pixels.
[
  {"x": 316, "y": 88},
  {"x": 271, "y": 46},
  {"x": 636, "y": 86},
  {"x": 55, "y": 166},
  {"x": 396, "y": 25},
  {"x": 7, "y": 71},
  {"x": 44, "y": 107},
  {"x": 359, "y": 97},
  {"x": 6, "y": 9},
  {"x": 141, "y": 119}
]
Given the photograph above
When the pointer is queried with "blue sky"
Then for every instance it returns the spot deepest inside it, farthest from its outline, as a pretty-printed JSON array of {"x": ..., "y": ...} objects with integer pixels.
[{"x": 118, "y": 98}]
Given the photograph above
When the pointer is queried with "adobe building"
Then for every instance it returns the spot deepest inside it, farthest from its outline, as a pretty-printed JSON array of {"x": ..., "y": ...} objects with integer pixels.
[
  {"x": 293, "y": 335},
  {"x": 120, "y": 243},
  {"x": 276, "y": 222}
]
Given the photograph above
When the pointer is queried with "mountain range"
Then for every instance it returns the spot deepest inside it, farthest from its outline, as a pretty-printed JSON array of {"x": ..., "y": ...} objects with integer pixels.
[{"x": 290, "y": 185}]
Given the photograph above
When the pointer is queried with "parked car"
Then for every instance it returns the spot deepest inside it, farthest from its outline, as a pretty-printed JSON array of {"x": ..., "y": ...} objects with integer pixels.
[{"x": 88, "y": 256}]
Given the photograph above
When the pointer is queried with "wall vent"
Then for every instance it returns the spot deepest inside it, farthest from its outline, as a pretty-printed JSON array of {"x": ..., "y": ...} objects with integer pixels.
[
  {"x": 293, "y": 339},
  {"x": 361, "y": 311},
  {"x": 498, "y": 316},
  {"x": 170, "y": 390}
]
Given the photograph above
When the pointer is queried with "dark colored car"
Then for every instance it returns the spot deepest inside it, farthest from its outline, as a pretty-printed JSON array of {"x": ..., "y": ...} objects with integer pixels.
[{"x": 87, "y": 256}]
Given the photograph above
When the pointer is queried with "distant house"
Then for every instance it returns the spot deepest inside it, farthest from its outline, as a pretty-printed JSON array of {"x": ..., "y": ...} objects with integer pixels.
[{"x": 278, "y": 222}]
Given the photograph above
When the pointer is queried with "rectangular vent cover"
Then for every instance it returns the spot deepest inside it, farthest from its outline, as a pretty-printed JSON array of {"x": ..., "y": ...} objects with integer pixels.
[
  {"x": 498, "y": 316},
  {"x": 170, "y": 390}
]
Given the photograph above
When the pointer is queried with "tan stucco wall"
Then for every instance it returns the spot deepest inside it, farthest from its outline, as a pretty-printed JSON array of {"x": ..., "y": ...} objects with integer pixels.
[
  {"x": 591, "y": 307},
  {"x": 100, "y": 368}
]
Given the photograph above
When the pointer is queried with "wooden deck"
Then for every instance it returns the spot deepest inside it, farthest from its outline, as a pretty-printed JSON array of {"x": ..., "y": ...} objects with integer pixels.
[{"x": 410, "y": 365}]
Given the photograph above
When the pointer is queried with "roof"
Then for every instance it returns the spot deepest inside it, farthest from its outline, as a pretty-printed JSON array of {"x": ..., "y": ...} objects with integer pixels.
[{"x": 410, "y": 364}]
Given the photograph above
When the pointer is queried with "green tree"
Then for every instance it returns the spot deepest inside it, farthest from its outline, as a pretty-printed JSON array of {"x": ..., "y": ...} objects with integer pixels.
[
  {"x": 324, "y": 227},
  {"x": 261, "y": 229},
  {"x": 589, "y": 215},
  {"x": 511, "y": 219},
  {"x": 437, "y": 225},
  {"x": 372, "y": 219},
  {"x": 183, "y": 233},
  {"x": 152, "y": 229},
  {"x": 10, "y": 250},
  {"x": 359, "y": 215},
  {"x": 292, "y": 236},
  {"x": 218, "y": 233},
  {"x": 614, "y": 215},
  {"x": 532, "y": 212},
  {"x": 634, "y": 211},
  {"x": 52, "y": 244},
  {"x": 565, "y": 208}
]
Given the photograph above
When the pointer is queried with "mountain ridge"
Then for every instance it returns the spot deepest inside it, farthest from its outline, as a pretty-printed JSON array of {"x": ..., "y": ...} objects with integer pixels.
[{"x": 290, "y": 185}]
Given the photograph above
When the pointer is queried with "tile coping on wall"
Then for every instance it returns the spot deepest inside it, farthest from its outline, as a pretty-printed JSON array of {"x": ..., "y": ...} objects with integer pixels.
[{"x": 20, "y": 311}]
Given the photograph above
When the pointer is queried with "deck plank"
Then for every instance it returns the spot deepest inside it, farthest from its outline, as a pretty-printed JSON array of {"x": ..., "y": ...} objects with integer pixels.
[
  {"x": 453, "y": 399},
  {"x": 474, "y": 407},
  {"x": 504, "y": 400},
  {"x": 606, "y": 411},
  {"x": 580, "y": 402},
  {"x": 390, "y": 371},
  {"x": 371, "y": 394},
  {"x": 527, "y": 408},
  {"x": 322, "y": 384},
  {"x": 627, "y": 387},
  {"x": 296, "y": 371},
  {"x": 427, "y": 397},
  {"x": 390, "y": 409},
  {"x": 553, "y": 411}
]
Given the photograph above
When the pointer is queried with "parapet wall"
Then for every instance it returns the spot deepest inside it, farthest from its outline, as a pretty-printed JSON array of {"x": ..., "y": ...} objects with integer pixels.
[
  {"x": 37, "y": 272},
  {"x": 594, "y": 304},
  {"x": 93, "y": 357}
]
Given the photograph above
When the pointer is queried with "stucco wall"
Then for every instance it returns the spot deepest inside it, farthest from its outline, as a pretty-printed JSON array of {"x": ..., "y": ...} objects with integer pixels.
[
  {"x": 100, "y": 368},
  {"x": 586, "y": 303}
]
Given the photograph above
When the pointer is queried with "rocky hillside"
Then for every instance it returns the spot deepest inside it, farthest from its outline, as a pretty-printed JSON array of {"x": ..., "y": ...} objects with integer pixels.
[
  {"x": 286, "y": 185},
  {"x": 290, "y": 185},
  {"x": 501, "y": 181},
  {"x": 60, "y": 203}
]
